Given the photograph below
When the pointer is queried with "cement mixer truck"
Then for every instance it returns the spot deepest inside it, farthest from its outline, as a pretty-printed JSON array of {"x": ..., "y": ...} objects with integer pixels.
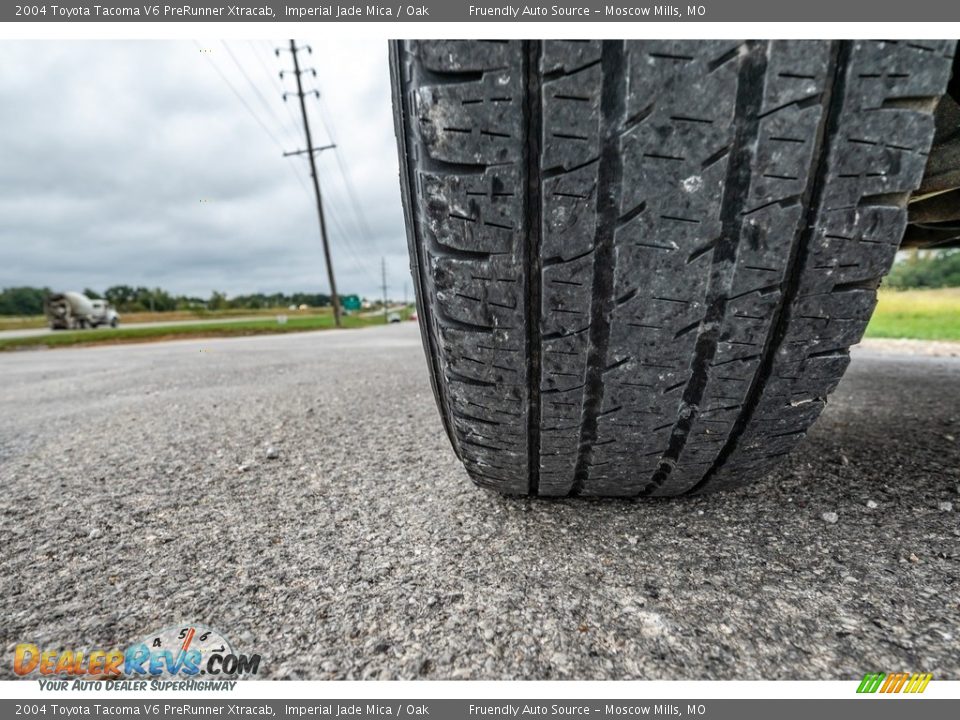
[{"x": 74, "y": 311}]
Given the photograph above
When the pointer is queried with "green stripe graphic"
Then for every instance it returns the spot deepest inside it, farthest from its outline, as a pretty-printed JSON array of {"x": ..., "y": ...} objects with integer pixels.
[{"x": 871, "y": 682}]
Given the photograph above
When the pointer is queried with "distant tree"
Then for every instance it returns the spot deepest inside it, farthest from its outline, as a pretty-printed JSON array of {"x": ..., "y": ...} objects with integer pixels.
[
  {"x": 22, "y": 300},
  {"x": 926, "y": 269},
  {"x": 161, "y": 300},
  {"x": 255, "y": 301},
  {"x": 141, "y": 299},
  {"x": 29, "y": 300},
  {"x": 151, "y": 300},
  {"x": 217, "y": 301},
  {"x": 120, "y": 296},
  {"x": 189, "y": 303},
  {"x": 311, "y": 299}
]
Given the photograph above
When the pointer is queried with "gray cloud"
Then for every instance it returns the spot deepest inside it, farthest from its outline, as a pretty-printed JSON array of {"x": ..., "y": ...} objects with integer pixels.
[{"x": 135, "y": 163}]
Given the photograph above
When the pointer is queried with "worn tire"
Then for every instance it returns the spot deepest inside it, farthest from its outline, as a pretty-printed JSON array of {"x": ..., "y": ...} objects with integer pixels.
[{"x": 640, "y": 265}]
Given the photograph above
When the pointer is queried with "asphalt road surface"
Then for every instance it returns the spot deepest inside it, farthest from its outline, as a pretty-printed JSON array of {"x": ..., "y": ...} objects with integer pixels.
[{"x": 298, "y": 493}]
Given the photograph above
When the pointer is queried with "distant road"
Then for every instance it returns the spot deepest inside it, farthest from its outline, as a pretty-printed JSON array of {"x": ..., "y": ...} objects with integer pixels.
[
  {"x": 375, "y": 313},
  {"x": 34, "y": 332}
]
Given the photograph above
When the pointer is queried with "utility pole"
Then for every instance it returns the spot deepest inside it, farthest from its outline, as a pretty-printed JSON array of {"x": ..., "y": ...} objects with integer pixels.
[
  {"x": 383, "y": 274},
  {"x": 310, "y": 153}
]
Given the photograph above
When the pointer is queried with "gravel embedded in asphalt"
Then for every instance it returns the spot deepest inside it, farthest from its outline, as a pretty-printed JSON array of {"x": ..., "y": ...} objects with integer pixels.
[{"x": 298, "y": 493}]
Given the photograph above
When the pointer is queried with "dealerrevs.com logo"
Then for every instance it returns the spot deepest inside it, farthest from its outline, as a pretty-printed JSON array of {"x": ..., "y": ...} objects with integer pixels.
[{"x": 184, "y": 652}]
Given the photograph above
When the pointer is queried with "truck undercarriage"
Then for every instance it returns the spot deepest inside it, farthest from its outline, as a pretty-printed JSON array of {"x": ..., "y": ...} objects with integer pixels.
[{"x": 934, "y": 210}]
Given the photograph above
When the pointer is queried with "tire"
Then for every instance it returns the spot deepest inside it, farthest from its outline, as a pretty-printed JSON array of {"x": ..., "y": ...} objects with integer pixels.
[{"x": 640, "y": 265}]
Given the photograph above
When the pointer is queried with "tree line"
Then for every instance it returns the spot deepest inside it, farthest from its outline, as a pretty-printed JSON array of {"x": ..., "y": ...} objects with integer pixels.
[
  {"x": 926, "y": 269},
  {"x": 125, "y": 298}
]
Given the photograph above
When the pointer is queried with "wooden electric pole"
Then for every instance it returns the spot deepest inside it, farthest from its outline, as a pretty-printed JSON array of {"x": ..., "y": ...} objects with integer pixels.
[
  {"x": 383, "y": 275},
  {"x": 310, "y": 153}
]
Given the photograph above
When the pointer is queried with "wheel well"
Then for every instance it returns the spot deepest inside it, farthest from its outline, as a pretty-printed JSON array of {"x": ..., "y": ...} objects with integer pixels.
[{"x": 934, "y": 209}]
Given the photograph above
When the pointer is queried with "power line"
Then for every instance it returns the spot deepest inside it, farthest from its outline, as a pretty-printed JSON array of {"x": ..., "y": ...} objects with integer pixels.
[
  {"x": 339, "y": 237},
  {"x": 343, "y": 236},
  {"x": 344, "y": 240},
  {"x": 297, "y": 176},
  {"x": 240, "y": 98},
  {"x": 348, "y": 184},
  {"x": 339, "y": 234},
  {"x": 272, "y": 77},
  {"x": 253, "y": 85},
  {"x": 358, "y": 217},
  {"x": 253, "y": 115}
]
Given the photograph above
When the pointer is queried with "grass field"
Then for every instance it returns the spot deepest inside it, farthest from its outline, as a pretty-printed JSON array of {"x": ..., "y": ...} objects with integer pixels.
[
  {"x": 39, "y": 321},
  {"x": 26, "y": 322},
  {"x": 109, "y": 336},
  {"x": 917, "y": 314}
]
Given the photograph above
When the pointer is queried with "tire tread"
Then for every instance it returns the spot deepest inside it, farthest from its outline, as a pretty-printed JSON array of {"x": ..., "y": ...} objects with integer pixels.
[{"x": 640, "y": 264}]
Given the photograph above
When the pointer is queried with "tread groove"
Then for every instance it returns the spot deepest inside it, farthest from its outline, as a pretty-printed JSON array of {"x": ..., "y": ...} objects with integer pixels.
[
  {"x": 748, "y": 102},
  {"x": 534, "y": 103},
  {"x": 613, "y": 115},
  {"x": 778, "y": 331}
]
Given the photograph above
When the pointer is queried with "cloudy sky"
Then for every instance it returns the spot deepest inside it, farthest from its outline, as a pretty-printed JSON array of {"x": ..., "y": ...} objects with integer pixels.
[{"x": 136, "y": 163}]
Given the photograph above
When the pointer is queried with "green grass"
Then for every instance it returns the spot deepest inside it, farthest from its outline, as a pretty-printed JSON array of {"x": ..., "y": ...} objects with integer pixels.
[
  {"x": 917, "y": 314},
  {"x": 172, "y": 332},
  {"x": 24, "y": 322}
]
